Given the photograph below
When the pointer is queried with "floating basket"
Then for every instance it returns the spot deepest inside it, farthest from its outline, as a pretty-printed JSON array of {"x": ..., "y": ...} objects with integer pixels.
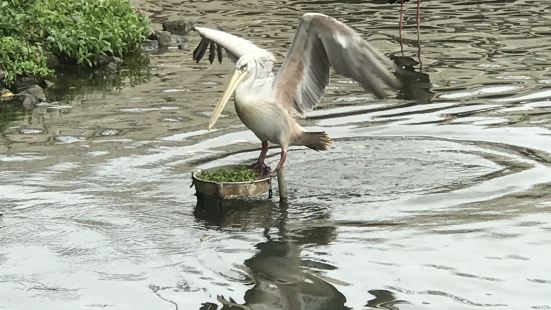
[{"x": 227, "y": 190}]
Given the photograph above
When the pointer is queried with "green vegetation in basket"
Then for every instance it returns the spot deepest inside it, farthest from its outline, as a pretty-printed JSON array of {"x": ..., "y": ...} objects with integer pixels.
[
  {"x": 239, "y": 174},
  {"x": 76, "y": 30}
]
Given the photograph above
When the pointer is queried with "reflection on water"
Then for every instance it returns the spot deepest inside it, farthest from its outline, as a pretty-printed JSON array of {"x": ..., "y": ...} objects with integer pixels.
[
  {"x": 281, "y": 278},
  {"x": 74, "y": 82},
  {"x": 437, "y": 198},
  {"x": 416, "y": 85},
  {"x": 383, "y": 300},
  {"x": 234, "y": 213},
  {"x": 280, "y": 282},
  {"x": 8, "y": 113}
]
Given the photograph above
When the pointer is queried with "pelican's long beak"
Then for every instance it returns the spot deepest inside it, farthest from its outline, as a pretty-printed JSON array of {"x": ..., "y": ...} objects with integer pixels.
[{"x": 237, "y": 77}]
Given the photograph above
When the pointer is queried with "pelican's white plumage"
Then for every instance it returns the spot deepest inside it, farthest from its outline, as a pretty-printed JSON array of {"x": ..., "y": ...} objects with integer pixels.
[{"x": 266, "y": 102}]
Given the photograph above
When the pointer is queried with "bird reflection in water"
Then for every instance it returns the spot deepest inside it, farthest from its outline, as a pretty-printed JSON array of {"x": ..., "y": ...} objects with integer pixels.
[
  {"x": 282, "y": 279},
  {"x": 383, "y": 300},
  {"x": 416, "y": 84}
]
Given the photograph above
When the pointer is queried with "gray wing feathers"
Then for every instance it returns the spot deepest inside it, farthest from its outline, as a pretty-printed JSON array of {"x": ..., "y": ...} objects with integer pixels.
[
  {"x": 303, "y": 76},
  {"x": 316, "y": 76},
  {"x": 322, "y": 42}
]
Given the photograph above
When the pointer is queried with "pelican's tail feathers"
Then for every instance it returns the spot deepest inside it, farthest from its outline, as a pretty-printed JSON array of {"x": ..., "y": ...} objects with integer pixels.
[{"x": 318, "y": 141}]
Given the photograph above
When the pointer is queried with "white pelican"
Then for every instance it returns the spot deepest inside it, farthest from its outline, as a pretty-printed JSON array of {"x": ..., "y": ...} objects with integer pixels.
[{"x": 267, "y": 103}]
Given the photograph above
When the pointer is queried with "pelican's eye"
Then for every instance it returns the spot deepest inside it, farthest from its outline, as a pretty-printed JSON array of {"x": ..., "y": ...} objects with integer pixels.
[{"x": 243, "y": 67}]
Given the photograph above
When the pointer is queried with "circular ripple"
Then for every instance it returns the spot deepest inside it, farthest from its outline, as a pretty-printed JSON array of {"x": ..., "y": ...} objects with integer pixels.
[{"x": 387, "y": 168}]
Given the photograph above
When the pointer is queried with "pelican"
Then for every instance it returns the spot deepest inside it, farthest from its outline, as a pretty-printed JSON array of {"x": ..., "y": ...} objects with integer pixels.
[{"x": 267, "y": 102}]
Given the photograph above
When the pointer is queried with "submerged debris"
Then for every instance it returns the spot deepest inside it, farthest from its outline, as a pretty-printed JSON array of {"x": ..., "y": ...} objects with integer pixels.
[
  {"x": 172, "y": 35},
  {"x": 179, "y": 27},
  {"x": 31, "y": 96}
]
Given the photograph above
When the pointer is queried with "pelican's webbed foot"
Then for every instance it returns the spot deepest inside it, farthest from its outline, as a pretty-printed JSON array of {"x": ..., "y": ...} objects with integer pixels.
[{"x": 261, "y": 168}]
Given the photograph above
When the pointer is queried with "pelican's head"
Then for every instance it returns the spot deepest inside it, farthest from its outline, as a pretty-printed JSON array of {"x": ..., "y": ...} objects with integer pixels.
[
  {"x": 246, "y": 63},
  {"x": 243, "y": 69}
]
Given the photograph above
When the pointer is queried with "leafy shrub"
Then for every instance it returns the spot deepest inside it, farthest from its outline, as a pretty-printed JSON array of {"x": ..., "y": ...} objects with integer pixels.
[
  {"x": 76, "y": 30},
  {"x": 18, "y": 57}
]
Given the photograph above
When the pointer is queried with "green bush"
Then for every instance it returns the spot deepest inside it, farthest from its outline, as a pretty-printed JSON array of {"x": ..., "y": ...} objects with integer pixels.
[
  {"x": 20, "y": 58},
  {"x": 76, "y": 30}
]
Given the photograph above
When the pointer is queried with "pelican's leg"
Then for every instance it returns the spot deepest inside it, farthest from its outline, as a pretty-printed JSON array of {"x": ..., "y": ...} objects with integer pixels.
[
  {"x": 401, "y": 16},
  {"x": 419, "y": 34},
  {"x": 401, "y": 25},
  {"x": 418, "y": 15},
  {"x": 282, "y": 159},
  {"x": 259, "y": 164}
]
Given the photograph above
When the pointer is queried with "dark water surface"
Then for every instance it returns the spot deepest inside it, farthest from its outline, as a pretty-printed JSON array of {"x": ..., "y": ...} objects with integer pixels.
[{"x": 439, "y": 198}]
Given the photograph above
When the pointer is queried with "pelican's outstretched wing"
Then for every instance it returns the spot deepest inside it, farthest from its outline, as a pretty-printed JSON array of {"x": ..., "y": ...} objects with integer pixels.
[
  {"x": 215, "y": 40},
  {"x": 322, "y": 42}
]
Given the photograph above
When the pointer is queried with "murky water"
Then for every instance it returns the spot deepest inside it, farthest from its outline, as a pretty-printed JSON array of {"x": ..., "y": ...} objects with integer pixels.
[{"x": 435, "y": 199}]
